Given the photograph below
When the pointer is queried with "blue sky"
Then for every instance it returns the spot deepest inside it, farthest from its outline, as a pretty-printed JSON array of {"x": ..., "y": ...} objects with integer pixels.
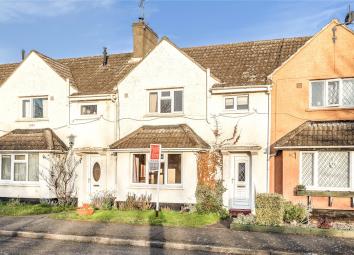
[{"x": 72, "y": 28}]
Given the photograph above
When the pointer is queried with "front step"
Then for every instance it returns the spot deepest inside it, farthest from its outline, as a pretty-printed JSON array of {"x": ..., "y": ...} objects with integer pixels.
[{"x": 235, "y": 212}]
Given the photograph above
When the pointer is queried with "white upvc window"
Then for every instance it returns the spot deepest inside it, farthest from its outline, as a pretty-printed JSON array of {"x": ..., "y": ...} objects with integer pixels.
[
  {"x": 88, "y": 109},
  {"x": 237, "y": 103},
  {"x": 34, "y": 107},
  {"x": 327, "y": 170},
  {"x": 19, "y": 167},
  {"x": 332, "y": 93},
  {"x": 166, "y": 101},
  {"x": 170, "y": 169}
]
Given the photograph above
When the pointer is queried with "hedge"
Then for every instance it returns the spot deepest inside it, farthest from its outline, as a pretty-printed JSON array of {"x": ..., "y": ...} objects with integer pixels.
[{"x": 269, "y": 209}]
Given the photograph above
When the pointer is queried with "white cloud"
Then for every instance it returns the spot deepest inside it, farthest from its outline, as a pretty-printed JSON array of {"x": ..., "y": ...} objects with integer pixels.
[{"x": 19, "y": 10}]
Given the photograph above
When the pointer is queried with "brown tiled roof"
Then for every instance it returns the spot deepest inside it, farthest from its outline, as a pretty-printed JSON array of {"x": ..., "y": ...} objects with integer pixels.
[
  {"x": 237, "y": 64},
  {"x": 32, "y": 139},
  {"x": 170, "y": 136},
  {"x": 246, "y": 63},
  {"x": 319, "y": 134}
]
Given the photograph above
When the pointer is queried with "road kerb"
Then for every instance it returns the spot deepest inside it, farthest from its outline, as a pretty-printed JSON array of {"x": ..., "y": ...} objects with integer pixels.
[{"x": 140, "y": 243}]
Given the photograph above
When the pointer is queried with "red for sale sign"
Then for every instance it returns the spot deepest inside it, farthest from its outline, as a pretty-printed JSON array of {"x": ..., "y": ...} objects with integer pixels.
[{"x": 155, "y": 151}]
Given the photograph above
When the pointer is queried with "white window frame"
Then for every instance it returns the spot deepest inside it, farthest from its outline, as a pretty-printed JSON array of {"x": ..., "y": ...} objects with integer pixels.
[
  {"x": 165, "y": 160},
  {"x": 13, "y": 161},
  {"x": 159, "y": 91},
  {"x": 88, "y": 104},
  {"x": 325, "y": 96},
  {"x": 235, "y": 103},
  {"x": 31, "y": 107},
  {"x": 315, "y": 173}
]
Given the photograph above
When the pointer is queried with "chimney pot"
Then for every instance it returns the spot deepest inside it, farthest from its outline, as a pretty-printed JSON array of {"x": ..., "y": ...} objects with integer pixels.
[
  {"x": 23, "y": 54},
  {"x": 105, "y": 56}
]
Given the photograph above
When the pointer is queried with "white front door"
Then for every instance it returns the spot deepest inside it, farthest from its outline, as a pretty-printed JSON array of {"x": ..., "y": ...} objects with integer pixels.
[
  {"x": 241, "y": 182},
  {"x": 95, "y": 174}
]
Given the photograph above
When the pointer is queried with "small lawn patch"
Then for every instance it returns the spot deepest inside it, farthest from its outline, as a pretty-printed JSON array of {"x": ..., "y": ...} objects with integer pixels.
[
  {"x": 166, "y": 218},
  {"x": 23, "y": 209}
]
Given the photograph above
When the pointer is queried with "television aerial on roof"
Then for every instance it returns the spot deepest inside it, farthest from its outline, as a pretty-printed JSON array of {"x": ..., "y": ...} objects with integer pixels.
[
  {"x": 349, "y": 19},
  {"x": 142, "y": 10}
]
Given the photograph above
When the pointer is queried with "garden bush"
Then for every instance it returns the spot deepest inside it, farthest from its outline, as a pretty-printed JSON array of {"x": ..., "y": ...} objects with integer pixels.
[
  {"x": 134, "y": 202},
  {"x": 244, "y": 219},
  {"x": 209, "y": 199},
  {"x": 269, "y": 209},
  {"x": 103, "y": 200},
  {"x": 295, "y": 213}
]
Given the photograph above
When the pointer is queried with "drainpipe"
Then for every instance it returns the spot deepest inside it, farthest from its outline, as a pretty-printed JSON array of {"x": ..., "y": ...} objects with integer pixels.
[
  {"x": 268, "y": 135},
  {"x": 207, "y": 75},
  {"x": 68, "y": 83}
]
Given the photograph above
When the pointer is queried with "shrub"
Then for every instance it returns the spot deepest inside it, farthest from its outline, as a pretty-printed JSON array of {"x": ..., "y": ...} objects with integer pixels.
[
  {"x": 133, "y": 202},
  {"x": 103, "y": 200},
  {"x": 244, "y": 219},
  {"x": 269, "y": 209},
  {"x": 297, "y": 213},
  {"x": 209, "y": 199}
]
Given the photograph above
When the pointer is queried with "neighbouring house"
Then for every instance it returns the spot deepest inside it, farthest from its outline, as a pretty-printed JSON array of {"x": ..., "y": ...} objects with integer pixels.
[
  {"x": 116, "y": 105},
  {"x": 313, "y": 121}
]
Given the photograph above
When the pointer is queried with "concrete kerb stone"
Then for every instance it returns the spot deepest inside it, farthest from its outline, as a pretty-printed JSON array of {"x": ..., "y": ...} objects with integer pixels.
[{"x": 140, "y": 243}]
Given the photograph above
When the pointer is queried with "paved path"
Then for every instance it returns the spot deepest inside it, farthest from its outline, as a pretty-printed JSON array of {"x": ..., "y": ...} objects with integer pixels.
[
  {"x": 10, "y": 245},
  {"x": 210, "y": 236}
]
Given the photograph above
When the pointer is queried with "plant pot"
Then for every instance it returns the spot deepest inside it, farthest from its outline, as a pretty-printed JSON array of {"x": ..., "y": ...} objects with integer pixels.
[{"x": 85, "y": 211}]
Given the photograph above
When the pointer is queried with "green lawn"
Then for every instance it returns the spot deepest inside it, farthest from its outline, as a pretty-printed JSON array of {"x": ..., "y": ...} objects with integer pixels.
[
  {"x": 166, "y": 218},
  {"x": 22, "y": 209}
]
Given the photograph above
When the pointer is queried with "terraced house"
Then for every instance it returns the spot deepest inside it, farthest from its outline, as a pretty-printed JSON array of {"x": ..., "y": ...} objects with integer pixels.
[{"x": 110, "y": 108}]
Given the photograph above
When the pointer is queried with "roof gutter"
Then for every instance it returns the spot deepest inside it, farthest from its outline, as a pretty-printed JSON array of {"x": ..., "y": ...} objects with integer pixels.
[
  {"x": 92, "y": 97},
  {"x": 314, "y": 147},
  {"x": 253, "y": 88},
  {"x": 163, "y": 150}
]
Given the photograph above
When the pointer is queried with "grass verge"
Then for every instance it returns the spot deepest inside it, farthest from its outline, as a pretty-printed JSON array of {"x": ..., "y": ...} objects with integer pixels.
[
  {"x": 166, "y": 218},
  {"x": 23, "y": 209}
]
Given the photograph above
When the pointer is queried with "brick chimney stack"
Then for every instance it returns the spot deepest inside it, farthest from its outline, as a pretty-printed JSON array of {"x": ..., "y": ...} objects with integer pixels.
[{"x": 144, "y": 39}]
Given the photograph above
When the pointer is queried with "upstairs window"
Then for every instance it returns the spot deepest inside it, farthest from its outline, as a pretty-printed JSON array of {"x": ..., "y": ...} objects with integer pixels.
[
  {"x": 34, "y": 108},
  {"x": 332, "y": 93},
  {"x": 89, "y": 109},
  {"x": 166, "y": 101},
  {"x": 237, "y": 103}
]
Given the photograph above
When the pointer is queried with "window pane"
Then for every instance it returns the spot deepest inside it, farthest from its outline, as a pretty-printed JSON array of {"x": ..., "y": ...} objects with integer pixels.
[
  {"x": 20, "y": 172},
  {"x": 153, "y": 102},
  {"x": 241, "y": 172},
  {"x": 6, "y": 167},
  {"x": 317, "y": 93},
  {"x": 307, "y": 169},
  {"x": 88, "y": 109},
  {"x": 174, "y": 169},
  {"x": 26, "y": 109},
  {"x": 333, "y": 92},
  {"x": 20, "y": 157},
  {"x": 139, "y": 169},
  {"x": 38, "y": 107},
  {"x": 333, "y": 169},
  {"x": 33, "y": 167},
  {"x": 242, "y": 103},
  {"x": 348, "y": 92},
  {"x": 153, "y": 175},
  {"x": 165, "y": 93},
  {"x": 178, "y": 101},
  {"x": 165, "y": 105},
  {"x": 229, "y": 103}
]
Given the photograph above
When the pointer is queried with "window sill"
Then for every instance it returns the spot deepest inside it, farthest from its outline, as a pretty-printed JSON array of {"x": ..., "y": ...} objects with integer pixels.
[
  {"x": 154, "y": 186},
  {"x": 322, "y": 193},
  {"x": 19, "y": 184},
  {"x": 164, "y": 115},
  {"x": 235, "y": 111},
  {"x": 341, "y": 108},
  {"x": 32, "y": 120}
]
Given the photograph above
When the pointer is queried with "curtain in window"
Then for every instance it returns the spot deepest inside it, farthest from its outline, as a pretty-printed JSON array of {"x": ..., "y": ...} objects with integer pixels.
[
  {"x": 153, "y": 102},
  {"x": 307, "y": 169},
  {"x": 317, "y": 93},
  {"x": 229, "y": 103},
  {"x": 333, "y": 92},
  {"x": 6, "y": 167},
  {"x": 333, "y": 169},
  {"x": 174, "y": 169},
  {"x": 33, "y": 167},
  {"x": 178, "y": 101},
  {"x": 26, "y": 109},
  {"x": 20, "y": 172},
  {"x": 37, "y": 108},
  {"x": 348, "y": 92},
  {"x": 139, "y": 168}
]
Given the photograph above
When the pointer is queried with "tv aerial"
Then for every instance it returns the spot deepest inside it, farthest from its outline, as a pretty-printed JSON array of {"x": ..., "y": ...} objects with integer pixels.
[
  {"x": 348, "y": 20},
  {"x": 142, "y": 10}
]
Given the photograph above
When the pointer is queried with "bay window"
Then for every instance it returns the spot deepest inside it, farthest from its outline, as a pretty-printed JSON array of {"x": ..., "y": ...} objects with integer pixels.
[
  {"x": 332, "y": 93},
  {"x": 34, "y": 108},
  {"x": 170, "y": 169},
  {"x": 19, "y": 167},
  {"x": 166, "y": 101},
  {"x": 326, "y": 170}
]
